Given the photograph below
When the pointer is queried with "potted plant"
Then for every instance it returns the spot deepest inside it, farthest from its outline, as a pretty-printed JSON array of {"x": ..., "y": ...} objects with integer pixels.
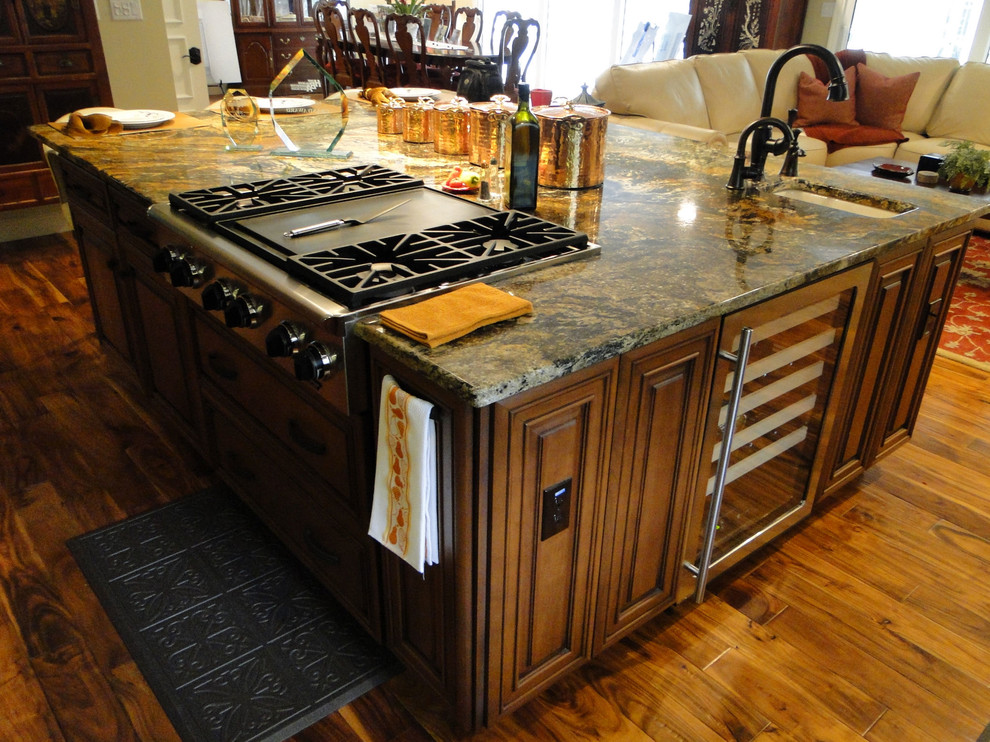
[
  {"x": 965, "y": 167},
  {"x": 415, "y": 7}
]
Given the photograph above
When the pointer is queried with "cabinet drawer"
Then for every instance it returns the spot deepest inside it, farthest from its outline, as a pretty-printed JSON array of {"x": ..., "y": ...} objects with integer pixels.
[
  {"x": 64, "y": 62},
  {"x": 12, "y": 65},
  {"x": 338, "y": 553},
  {"x": 314, "y": 439},
  {"x": 293, "y": 42},
  {"x": 86, "y": 191}
]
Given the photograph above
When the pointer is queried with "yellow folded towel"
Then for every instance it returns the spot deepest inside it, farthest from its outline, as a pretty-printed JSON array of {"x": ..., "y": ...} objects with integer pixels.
[
  {"x": 92, "y": 125},
  {"x": 448, "y": 316}
]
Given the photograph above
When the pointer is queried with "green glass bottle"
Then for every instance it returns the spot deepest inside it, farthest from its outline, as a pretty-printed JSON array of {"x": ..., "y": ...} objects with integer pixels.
[{"x": 524, "y": 154}]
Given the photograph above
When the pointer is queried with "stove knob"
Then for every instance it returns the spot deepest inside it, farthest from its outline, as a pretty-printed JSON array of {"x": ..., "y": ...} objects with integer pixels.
[
  {"x": 219, "y": 294},
  {"x": 285, "y": 340},
  {"x": 163, "y": 259},
  {"x": 244, "y": 311},
  {"x": 188, "y": 272},
  {"x": 314, "y": 362}
]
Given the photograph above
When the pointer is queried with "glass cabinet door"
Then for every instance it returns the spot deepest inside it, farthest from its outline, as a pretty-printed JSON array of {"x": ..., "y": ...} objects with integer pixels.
[
  {"x": 794, "y": 360},
  {"x": 251, "y": 11}
]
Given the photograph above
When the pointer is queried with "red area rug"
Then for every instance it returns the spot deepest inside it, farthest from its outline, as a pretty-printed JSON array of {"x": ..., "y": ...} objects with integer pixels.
[{"x": 966, "y": 336}]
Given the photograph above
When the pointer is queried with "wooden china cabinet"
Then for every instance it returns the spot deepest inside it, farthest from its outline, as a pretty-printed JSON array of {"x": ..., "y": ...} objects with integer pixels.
[
  {"x": 51, "y": 63},
  {"x": 731, "y": 25},
  {"x": 267, "y": 33}
]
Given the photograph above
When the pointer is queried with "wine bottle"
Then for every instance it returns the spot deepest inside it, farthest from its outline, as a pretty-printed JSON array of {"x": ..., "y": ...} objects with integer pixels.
[{"x": 524, "y": 154}]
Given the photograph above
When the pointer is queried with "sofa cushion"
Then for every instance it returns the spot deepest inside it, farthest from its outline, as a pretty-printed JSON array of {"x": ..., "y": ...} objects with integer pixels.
[
  {"x": 785, "y": 96},
  {"x": 881, "y": 101},
  {"x": 667, "y": 91},
  {"x": 964, "y": 112},
  {"x": 730, "y": 91},
  {"x": 813, "y": 106},
  {"x": 936, "y": 72}
]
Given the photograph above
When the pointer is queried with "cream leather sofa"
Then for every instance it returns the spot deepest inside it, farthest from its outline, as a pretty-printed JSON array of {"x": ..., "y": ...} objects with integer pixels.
[{"x": 714, "y": 97}]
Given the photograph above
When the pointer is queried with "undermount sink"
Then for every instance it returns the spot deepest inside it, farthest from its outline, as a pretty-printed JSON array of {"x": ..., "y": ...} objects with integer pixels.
[{"x": 851, "y": 202}]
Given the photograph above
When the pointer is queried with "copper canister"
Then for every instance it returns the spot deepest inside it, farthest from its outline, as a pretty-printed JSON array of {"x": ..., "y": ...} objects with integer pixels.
[
  {"x": 417, "y": 122},
  {"x": 572, "y": 145},
  {"x": 489, "y": 122},
  {"x": 390, "y": 116},
  {"x": 450, "y": 127}
]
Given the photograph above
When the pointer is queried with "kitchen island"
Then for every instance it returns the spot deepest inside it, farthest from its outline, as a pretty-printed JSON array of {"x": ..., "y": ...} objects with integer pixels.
[{"x": 577, "y": 444}]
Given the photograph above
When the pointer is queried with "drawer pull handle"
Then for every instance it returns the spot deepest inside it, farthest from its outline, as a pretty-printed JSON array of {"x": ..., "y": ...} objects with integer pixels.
[
  {"x": 222, "y": 367},
  {"x": 305, "y": 441},
  {"x": 317, "y": 548},
  {"x": 66, "y": 63}
]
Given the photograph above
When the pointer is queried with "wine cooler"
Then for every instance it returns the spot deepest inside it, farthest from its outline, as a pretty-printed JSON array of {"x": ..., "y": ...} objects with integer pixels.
[{"x": 779, "y": 364}]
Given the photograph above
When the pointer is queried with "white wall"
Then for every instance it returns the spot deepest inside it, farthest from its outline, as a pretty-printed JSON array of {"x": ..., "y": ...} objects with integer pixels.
[{"x": 138, "y": 58}]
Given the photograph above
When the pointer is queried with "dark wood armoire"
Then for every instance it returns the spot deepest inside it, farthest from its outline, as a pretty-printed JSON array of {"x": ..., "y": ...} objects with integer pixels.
[{"x": 731, "y": 25}]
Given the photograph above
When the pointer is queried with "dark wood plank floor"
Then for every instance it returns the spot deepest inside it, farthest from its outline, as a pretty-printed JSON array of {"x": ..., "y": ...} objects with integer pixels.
[{"x": 870, "y": 621}]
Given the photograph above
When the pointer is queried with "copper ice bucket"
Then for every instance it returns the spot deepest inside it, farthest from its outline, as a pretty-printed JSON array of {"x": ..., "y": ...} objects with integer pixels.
[
  {"x": 489, "y": 122},
  {"x": 417, "y": 121},
  {"x": 450, "y": 127},
  {"x": 572, "y": 145},
  {"x": 390, "y": 115}
]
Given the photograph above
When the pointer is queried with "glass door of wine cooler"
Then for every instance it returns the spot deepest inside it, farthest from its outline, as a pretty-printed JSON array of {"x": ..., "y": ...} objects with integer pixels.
[{"x": 779, "y": 363}]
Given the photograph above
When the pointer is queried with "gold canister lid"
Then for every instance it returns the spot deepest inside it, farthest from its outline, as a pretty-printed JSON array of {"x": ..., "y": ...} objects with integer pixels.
[
  {"x": 562, "y": 108},
  {"x": 498, "y": 104}
]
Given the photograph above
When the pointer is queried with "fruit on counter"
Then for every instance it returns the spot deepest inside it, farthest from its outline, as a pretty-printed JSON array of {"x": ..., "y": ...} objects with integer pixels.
[{"x": 462, "y": 181}]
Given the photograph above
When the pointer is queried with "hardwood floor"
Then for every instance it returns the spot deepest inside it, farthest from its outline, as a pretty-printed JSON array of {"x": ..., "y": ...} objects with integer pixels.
[{"x": 869, "y": 621}]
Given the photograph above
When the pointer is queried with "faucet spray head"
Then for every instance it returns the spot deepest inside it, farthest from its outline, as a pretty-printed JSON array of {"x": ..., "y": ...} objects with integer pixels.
[{"x": 838, "y": 88}]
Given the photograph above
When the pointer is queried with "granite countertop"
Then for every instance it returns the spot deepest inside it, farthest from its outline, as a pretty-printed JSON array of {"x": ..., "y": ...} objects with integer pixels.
[{"x": 677, "y": 248}]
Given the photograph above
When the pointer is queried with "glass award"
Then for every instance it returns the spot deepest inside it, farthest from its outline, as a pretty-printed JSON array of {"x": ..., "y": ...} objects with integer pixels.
[
  {"x": 308, "y": 109},
  {"x": 239, "y": 116}
]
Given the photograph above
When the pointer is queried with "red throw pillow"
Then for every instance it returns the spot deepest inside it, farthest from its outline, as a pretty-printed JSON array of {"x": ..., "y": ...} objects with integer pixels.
[
  {"x": 881, "y": 101},
  {"x": 839, "y": 136},
  {"x": 814, "y": 109}
]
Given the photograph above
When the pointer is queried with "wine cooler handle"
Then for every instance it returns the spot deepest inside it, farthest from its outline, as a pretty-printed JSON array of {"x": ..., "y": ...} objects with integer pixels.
[{"x": 741, "y": 359}]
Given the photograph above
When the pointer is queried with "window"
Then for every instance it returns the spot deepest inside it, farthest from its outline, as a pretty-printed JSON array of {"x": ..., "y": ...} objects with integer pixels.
[
  {"x": 948, "y": 28},
  {"x": 588, "y": 35}
]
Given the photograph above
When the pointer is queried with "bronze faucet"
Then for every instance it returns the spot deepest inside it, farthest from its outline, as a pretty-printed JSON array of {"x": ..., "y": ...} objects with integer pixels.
[{"x": 760, "y": 129}]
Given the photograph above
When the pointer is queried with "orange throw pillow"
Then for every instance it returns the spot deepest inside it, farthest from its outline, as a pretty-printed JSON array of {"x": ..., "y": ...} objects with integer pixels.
[
  {"x": 881, "y": 101},
  {"x": 813, "y": 108}
]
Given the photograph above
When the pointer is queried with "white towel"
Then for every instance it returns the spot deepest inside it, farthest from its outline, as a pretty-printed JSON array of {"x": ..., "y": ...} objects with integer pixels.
[{"x": 404, "y": 504}]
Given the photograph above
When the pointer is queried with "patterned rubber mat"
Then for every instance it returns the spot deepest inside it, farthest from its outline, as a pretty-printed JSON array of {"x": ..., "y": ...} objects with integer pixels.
[{"x": 235, "y": 638}]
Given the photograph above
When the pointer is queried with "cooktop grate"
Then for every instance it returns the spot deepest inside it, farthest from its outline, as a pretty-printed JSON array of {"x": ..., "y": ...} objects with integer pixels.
[
  {"x": 210, "y": 205},
  {"x": 400, "y": 264}
]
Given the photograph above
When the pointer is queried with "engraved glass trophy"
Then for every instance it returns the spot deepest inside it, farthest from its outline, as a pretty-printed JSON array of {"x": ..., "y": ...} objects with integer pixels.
[
  {"x": 239, "y": 115},
  {"x": 308, "y": 109}
]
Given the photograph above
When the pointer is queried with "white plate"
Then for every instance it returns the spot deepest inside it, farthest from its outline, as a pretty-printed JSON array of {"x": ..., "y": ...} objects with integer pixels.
[
  {"x": 284, "y": 105},
  {"x": 416, "y": 93},
  {"x": 142, "y": 118}
]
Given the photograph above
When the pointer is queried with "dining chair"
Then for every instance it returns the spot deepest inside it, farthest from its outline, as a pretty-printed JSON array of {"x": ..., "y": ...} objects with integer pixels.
[
  {"x": 520, "y": 37},
  {"x": 439, "y": 17},
  {"x": 406, "y": 38},
  {"x": 465, "y": 28},
  {"x": 333, "y": 47},
  {"x": 498, "y": 24},
  {"x": 363, "y": 27}
]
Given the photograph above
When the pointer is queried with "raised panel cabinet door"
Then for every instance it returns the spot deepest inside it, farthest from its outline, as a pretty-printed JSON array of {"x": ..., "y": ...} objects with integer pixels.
[
  {"x": 659, "y": 422},
  {"x": 878, "y": 349},
  {"x": 163, "y": 342},
  {"x": 922, "y": 337},
  {"x": 549, "y": 460},
  {"x": 100, "y": 265},
  {"x": 254, "y": 52}
]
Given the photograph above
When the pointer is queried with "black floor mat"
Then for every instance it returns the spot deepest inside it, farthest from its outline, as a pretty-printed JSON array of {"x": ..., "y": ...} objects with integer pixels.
[{"x": 235, "y": 638}]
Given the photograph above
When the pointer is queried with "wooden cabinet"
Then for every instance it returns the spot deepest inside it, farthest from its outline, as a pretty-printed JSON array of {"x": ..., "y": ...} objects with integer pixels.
[
  {"x": 267, "y": 34},
  {"x": 731, "y": 25},
  {"x": 51, "y": 63},
  {"x": 907, "y": 304},
  {"x": 550, "y": 447},
  {"x": 663, "y": 392}
]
